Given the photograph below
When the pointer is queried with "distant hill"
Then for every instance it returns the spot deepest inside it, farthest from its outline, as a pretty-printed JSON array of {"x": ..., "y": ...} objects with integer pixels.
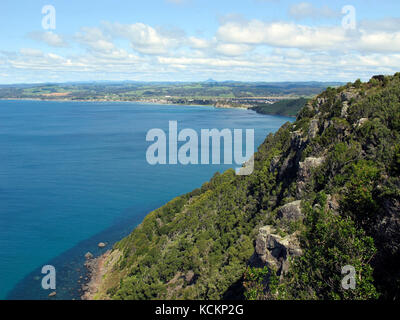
[
  {"x": 177, "y": 92},
  {"x": 287, "y": 107}
]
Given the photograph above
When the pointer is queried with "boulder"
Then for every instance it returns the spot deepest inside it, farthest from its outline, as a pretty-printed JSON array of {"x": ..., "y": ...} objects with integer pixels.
[
  {"x": 307, "y": 165},
  {"x": 189, "y": 276},
  {"x": 274, "y": 251},
  {"x": 348, "y": 95},
  {"x": 360, "y": 122},
  {"x": 291, "y": 211},
  {"x": 88, "y": 256},
  {"x": 101, "y": 245}
]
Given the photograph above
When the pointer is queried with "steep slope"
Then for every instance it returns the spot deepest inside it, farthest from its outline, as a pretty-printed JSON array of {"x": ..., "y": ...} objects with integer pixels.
[
  {"x": 325, "y": 193},
  {"x": 286, "y": 107}
]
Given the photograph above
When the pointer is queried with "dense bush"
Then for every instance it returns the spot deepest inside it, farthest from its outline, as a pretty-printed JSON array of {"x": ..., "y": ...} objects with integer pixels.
[{"x": 199, "y": 245}]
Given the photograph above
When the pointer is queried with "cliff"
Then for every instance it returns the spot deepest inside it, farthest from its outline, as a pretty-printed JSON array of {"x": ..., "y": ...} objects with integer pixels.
[{"x": 325, "y": 194}]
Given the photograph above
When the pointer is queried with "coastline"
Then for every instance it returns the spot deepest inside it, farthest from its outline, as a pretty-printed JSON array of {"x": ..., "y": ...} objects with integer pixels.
[
  {"x": 105, "y": 100},
  {"x": 143, "y": 102},
  {"x": 216, "y": 106},
  {"x": 96, "y": 269}
]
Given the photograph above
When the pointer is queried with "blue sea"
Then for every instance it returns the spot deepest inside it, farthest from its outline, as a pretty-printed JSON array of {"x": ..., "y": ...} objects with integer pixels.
[{"x": 73, "y": 174}]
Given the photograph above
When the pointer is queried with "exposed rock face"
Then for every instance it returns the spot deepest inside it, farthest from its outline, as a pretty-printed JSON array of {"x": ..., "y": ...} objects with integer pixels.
[
  {"x": 273, "y": 250},
  {"x": 305, "y": 170},
  {"x": 274, "y": 163},
  {"x": 361, "y": 122},
  {"x": 297, "y": 140},
  {"x": 307, "y": 165},
  {"x": 313, "y": 130},
  {"x": 333, "y": 204},
  {"x": 291, "y": 211},
  {"x": 345, "y": 108},
  {"x": 348, "y": 95}
]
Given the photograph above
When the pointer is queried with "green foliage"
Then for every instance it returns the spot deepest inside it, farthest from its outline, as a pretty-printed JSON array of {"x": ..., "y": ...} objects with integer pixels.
[
  {"x": 359, "y": 200},
  {"x": 286, "y": 107},
  {"x": 198, "y": 246},
  {"x": 396, "y": 160},
  {"x": 330, "y": 242}
]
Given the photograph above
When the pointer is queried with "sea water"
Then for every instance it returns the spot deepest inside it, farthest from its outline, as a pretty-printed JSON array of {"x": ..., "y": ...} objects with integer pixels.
[{"x": 73, "y": 174}]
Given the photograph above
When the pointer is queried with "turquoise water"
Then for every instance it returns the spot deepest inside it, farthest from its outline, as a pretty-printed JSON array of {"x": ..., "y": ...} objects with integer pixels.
[{"x": 73, "y": 174}]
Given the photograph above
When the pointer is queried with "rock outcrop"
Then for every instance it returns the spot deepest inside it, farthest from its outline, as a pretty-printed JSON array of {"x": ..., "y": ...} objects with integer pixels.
[
  {"x": 313, "y": 129},
  {"x": 273, "y": 250},
  {"x": 291, "y": 211},
  {"x": 305, "y": 171}
]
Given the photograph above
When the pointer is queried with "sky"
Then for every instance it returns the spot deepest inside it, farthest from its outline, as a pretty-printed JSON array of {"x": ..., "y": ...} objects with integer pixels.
[{"x": 194, "y": 40}]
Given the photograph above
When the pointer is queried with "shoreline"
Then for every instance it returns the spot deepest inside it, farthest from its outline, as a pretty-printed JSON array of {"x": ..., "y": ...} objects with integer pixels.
[
  {"x": 146, "y": 102},
  {"x": 96, "y": 270},
  {"x": 104, "y": 100}
]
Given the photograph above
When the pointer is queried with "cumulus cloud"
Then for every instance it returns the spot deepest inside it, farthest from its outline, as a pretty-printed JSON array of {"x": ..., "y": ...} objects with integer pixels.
[
  {"x": 232, "y": 49},
  {"x": 379, "y": 42},
  {"x": 198, "y": 43},
  {"x": 94, "y": 39},
  {"x": 48, "y": 37},
  {"x": 387, "y": 24},
  {"x": 239, "y": 49},
  {"x": 282, "y": 34},
  {"x": 144, "y": 38},
  {"x": 304, "y": 10}
]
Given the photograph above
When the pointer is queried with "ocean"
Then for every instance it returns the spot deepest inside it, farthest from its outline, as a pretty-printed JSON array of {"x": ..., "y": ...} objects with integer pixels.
[{"x": 73, "y": 174}]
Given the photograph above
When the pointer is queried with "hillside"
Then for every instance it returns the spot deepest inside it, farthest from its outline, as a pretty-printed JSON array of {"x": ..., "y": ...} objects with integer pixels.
[
  {"x": 325, "y": 193},
  {"x": 286, "y": 107}
]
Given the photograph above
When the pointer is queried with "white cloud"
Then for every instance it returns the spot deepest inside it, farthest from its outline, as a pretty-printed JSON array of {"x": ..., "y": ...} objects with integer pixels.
[
  {"x": 304, "y": 10},
  {"x": 387, "y": 24},
  {"x": 198, "y": 43},
  {"x": 94, "y": 39},
  {"x": 50, "y": 38},
  {"x": 144, "y": 38},
  {"x": 239, "y": 50},
  {"x": 379, "y": 42},
  {"x": 282, "y": 34},
  {"x": 31, "y": 52},
  {"x": 232, "y": 49}
]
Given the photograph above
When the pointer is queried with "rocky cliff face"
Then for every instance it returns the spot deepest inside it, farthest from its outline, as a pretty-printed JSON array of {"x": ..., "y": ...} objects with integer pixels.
[{"x": 325, "y": 193}]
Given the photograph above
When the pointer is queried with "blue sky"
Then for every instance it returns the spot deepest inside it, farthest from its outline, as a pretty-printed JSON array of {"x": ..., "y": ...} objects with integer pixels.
[{"x": 193, "y": 40}]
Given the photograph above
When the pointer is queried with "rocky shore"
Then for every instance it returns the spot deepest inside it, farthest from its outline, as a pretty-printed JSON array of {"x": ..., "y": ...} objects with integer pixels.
[{"x": 96, "y": 269}]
